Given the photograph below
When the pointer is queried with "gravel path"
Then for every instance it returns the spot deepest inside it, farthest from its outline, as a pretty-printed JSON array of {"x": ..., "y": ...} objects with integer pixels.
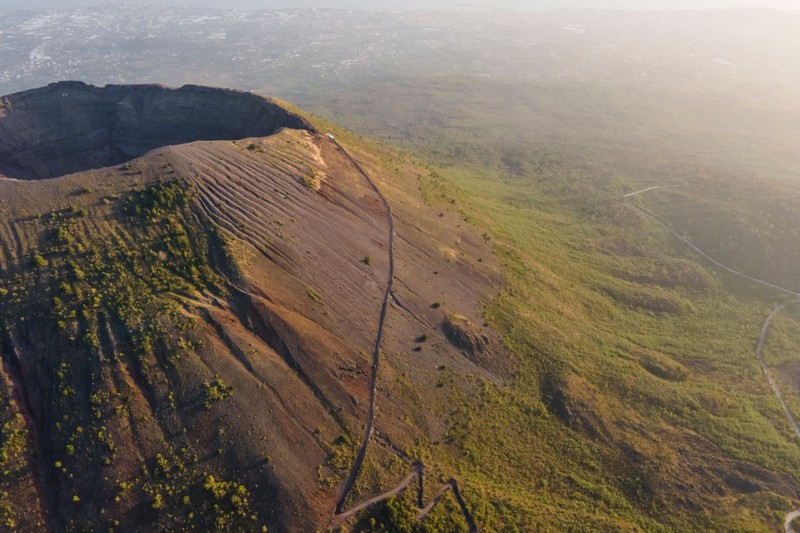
[{"x": 417, "y": 469}]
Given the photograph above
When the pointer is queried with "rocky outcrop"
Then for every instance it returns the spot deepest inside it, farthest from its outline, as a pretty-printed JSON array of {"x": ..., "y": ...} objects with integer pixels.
[
  {"x": 464, "y": 335},
  {"x": 70, "y": 127}
]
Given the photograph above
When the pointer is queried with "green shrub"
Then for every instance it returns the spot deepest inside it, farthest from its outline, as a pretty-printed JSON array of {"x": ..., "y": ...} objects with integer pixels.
[
  {"x": 39, "y": 261},
  {"x": 215, "y": 392}
]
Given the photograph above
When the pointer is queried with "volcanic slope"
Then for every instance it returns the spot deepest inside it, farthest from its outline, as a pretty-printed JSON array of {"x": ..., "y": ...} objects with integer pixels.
[{"x": 186, "y": 336}]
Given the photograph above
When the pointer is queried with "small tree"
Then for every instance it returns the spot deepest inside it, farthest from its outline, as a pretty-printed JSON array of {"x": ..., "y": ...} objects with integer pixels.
[{"x": 39, "y": 261}]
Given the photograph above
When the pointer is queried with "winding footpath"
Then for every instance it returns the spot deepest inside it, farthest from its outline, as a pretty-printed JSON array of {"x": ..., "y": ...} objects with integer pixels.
[
  {"x": 790, "y": 517},
  {"x": 417, "y": 469},
  {"x": 376, "y": 351}
]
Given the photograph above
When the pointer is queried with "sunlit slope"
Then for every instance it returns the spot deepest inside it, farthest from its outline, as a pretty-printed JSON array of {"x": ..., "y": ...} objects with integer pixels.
[{"x": 638, "y": 403}]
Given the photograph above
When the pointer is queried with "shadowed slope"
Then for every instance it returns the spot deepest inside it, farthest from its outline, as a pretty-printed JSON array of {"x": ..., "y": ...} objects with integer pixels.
[
  {"x": 70, "y": 126},
  {"x": 195, "y": 326}
]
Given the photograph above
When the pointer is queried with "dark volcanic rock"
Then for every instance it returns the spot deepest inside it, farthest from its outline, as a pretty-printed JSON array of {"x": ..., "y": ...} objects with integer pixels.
[{"x": 69, "y": 127}]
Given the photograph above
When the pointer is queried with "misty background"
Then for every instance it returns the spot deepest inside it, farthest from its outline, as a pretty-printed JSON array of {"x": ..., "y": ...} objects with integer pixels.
[
  {"x": 637, "y": 92},
  {"x": 544, "y": 119},
  {"x": 427, "y": 4}
]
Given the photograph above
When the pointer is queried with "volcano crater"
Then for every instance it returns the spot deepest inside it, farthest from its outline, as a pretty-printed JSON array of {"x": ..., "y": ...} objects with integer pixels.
[{"x": 70, "y": 127}]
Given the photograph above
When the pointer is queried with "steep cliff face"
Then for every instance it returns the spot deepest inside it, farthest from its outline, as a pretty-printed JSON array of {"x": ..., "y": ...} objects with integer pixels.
[
  {"x": 185, "y": 338},
  {"x": 69, "y": 127}
]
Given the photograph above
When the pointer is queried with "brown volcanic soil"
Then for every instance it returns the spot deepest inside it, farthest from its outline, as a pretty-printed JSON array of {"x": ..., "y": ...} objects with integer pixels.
[{"x": 290, "y": 222}]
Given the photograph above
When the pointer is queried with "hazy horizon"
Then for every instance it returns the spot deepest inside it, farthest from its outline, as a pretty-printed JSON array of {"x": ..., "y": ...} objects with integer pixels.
[{"x": 535, "y": 5}]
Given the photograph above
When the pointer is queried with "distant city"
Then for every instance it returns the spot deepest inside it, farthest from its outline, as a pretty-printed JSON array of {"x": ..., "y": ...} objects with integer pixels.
[
  {"x": 526, "y": 5},
  {"x": 291, "y": 52}
]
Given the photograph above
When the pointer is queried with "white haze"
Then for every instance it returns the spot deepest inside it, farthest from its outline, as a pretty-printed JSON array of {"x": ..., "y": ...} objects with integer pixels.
[{"x": 427, "y": 4}]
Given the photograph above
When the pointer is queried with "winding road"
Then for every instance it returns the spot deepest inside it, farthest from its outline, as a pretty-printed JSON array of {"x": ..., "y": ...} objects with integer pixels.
[
  {"x": 787, "y": 521},
  {"x": 671, "y": 185},
  {"x": 790, "y": 517},
  {"x": 695, "y": 248},
  {"x": 417, "y": 469},
  {"x": 774, "y": 384}
]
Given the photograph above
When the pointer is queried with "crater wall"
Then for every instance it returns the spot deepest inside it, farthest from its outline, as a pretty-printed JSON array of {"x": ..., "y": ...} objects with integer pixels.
[{"x": 70, "y": 127}]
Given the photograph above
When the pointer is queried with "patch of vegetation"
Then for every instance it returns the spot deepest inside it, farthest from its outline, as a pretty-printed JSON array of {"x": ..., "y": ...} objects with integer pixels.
[
  {"x": 13, "y": 463},
  {"x": 215, "y": 392},
  {"x": 311, "y": 179},
  {"x": 313, "y": 295},
  {"x": 668, "y": 274},
  {"x": 39, "y": 261},
  {"x": 158, "y": 201},
  {"x": 648, "y": 299},
  {"x": 111, "y": 303},
  {"x": 398, "y": 515},
  {"x": 341, "y": 454},
  {"x": 665, "y": 368},
  {"x": 185, "y": 497}
]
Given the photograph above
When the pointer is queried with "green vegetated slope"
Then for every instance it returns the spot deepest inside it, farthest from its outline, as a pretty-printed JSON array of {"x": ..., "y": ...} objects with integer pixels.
[
  {"x": 751, "y": 224},
  {"x": 637, "y": 402}
]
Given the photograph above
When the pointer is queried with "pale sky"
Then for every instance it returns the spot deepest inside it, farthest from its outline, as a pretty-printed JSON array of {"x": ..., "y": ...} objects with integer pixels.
[{"x": 423, "y": 4}]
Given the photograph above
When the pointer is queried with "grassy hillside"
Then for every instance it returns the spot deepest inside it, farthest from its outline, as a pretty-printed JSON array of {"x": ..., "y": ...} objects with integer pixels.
[{"x": 637, "y": 402}]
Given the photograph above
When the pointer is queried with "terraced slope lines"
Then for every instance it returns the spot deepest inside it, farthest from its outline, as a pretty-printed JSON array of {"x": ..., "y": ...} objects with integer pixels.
[{"x": 189, "y": 286}]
